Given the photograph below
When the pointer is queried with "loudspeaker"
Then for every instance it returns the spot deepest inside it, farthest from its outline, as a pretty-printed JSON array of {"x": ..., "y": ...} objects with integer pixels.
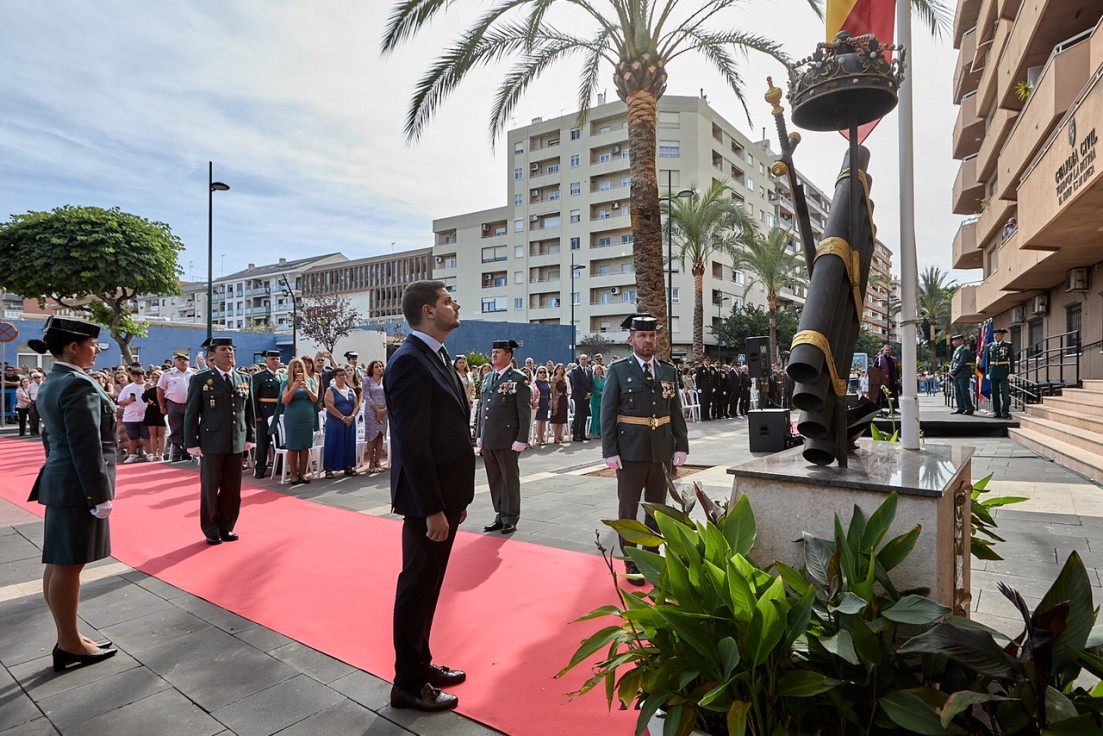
[
  {"x": 758, "y": 362},
  {"x": 769, "y": 429}
]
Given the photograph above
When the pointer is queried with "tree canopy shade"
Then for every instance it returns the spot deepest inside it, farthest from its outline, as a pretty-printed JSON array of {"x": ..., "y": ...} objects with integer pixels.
[{"x": 92, "y": 260}]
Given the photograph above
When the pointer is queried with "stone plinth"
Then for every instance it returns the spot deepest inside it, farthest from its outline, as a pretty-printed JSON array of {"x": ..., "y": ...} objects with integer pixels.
[{"x": 934, "y": 485}]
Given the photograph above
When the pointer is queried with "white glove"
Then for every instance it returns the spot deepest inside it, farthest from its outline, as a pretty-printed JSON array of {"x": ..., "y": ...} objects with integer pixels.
[
  {"x": 518, "y": 446},
  {"x": 478, "y": 443},
  {"x": 101, "y": 510},
  {"x": 195, "y": 452},
  {"x": 613, "y": 463},
  {"x": 680, "y": 458}
]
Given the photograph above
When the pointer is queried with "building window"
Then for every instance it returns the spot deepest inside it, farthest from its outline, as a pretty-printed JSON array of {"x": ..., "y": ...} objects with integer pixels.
[
  {"x": 629, "y": 295},
  {"x": 495, "y": 253},
  {"x": 576, "y": 160},
  {"x": 670, "y": 149},
  {"x": 604, "y": 242},
  {"x": 552, "y": 221},
  {"x": 603, "y": 214},
  {"x": 519, "y": 303},
  {"x": 518, "y": 225},
  {"x": 576, "y": 188},
  {"x": 625, "y": 152},
  {"x": 518, "y": 173},
  {"x": 604, "y": 269},
  {"x": 575, "y": 134},
  {"x": 553, "y": 196},
  {"x": 576, "y": 243},
  {"x": 627, "y": 239},
  {"x": 604, "y": 158},
  {"x": 669, "y": 120},
  {"x": 676, "y": 295},
  {"x": 576, "y": 215},
  {"x": 518, "y": 251},
  {"x": 1073, "y": 314},
  {"x": 518, "y": 200},
  {"x": 494, "y": 304},
  {"x": 553, "y": 168},
  {"x": 750, "y": 185},
  {"x": 605, "y": 186},
  {"x": 518, "y": 147},
  {"x": 576, "y": 298}
]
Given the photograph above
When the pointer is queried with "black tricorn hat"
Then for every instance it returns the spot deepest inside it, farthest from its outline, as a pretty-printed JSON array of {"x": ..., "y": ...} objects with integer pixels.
[
  {"x": 77, "y": 329},
  {"x": 509, "y": 345},
  {"x": 641, "y": 321},
  {"x": 957, "y": 337},
  {"x": 271, "y": 353},
  {"x": 1000, "y": 329},
  {"x": 352, "y": 354},
  {"x": 215, "y": 342}
]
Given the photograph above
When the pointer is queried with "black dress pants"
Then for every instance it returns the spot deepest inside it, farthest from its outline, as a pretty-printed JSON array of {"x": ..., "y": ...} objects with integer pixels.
[
  {"x": 415, "y": 603},
  {"x": 636, "y": 479},
  {"x": 219, "y": 492}
]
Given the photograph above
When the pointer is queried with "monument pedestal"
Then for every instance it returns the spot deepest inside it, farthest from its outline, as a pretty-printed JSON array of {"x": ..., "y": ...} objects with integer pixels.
[{"x": 934, "y": 486}]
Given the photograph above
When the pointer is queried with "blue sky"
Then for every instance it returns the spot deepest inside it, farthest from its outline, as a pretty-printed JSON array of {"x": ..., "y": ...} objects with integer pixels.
[{"x": 123, "y": 102}]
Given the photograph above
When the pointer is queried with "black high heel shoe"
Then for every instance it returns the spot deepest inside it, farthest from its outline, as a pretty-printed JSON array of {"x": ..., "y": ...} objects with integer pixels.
[{"x": 63, "y": 659}]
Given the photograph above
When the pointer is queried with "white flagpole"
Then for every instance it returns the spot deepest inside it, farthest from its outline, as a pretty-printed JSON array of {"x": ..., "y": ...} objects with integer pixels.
[{"x": 909, "y": 269}]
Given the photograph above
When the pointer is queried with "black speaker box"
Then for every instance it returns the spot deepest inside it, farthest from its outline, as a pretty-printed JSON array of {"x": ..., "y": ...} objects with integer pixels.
[
  {"x": 769, "y": 429},
  {"x": 758, "y": 362}
]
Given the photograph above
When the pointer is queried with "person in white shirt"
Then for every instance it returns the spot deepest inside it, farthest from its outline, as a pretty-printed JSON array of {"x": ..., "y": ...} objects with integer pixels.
[
  {"x": 32, "y": 391},
  {"x": 134, "y": 415},
  {"x": 172, "y": 395}
]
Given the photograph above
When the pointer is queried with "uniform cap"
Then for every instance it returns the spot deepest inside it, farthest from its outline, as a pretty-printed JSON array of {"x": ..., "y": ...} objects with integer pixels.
[
  {"x": 77, "y": 329},
  {"x": 956, "y": 337},
  {"x": 215, "y": 342},
  {"x": 999, "y": 330},
  {"x": 271, "y": 353},
  {"x": 505, "y": 345},
  {"x": 352, "y": 354},
  {"x": 179, "y": 354},
  {"x": 641, "y": 321}
]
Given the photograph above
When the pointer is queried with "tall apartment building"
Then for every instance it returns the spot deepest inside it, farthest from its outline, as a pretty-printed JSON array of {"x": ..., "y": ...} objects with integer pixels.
[
  {"x": 1029, "y": 87},
  {"x": 372, "y": 285},
  {"x": 876, "y": 318},
  {"x": 262, "y": 296},
  {"x": 568, "y": 214}
]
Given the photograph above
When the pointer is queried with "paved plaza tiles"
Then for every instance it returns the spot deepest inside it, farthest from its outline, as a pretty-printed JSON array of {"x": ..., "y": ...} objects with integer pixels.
[{"x": 161, "y": 681}]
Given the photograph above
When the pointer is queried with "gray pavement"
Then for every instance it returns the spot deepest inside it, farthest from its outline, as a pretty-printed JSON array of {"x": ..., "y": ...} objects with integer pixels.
[{"x": 188, "y": 667}]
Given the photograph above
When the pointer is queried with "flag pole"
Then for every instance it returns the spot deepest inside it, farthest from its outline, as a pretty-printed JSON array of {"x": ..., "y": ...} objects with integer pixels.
[{"x": 909, "y": 269}]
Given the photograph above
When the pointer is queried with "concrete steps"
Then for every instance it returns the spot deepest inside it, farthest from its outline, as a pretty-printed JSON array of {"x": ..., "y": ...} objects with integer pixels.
[{"x": 1067, "y": 429}]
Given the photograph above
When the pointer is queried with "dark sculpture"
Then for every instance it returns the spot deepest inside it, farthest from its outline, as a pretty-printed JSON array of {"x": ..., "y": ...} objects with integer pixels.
[{"x": 845, "y": 84}]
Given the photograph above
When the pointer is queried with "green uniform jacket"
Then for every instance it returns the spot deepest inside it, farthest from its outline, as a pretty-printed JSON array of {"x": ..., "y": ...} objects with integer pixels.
[
  {"x": 1001, "y": 359},
  {"x": 505, "y": 410},
  {"x": 217, "y": 420},
  {"x": 80, "y": 419},
  {"x": 265, "y": 385},
  {"x": 961, "y": 363},
  {"x": 627, "y": 394}
]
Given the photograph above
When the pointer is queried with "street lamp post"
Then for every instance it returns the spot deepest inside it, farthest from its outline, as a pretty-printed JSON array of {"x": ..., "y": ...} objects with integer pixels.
[
  {"x": 574, "y": 330},
  {"x": 294, "y": 314},
  {"x": 669, "y": 199},
  {"x": 720, "y": 317},
  {"x": 212, "y": 187}
]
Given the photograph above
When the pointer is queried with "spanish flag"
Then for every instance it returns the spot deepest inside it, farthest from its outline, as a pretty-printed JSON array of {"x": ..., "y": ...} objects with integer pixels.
[{"x": 859, "y": 17}]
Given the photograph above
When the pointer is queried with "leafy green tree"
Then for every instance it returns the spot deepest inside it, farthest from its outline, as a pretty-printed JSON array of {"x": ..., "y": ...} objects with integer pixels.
[
  {"x": 934, "y": 298},
  {"x": 91, "y": 260},
  {"x": 770, "y": 260},
  {"x": 704, "y": 224},
  {"x": 752, "y": 320}
]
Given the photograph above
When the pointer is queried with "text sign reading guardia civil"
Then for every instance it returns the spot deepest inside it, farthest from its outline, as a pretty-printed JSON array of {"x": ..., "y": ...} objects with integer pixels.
[{"x": 1078, "y": 167}]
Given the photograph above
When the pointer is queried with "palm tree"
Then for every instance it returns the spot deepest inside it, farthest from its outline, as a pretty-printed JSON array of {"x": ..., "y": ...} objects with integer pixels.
[
  {"x": 934, "y": 303},
  {"x": 771, "y": 262},
  {"x": 704, "y": 224},
  {"x": 638, "y": 38}
]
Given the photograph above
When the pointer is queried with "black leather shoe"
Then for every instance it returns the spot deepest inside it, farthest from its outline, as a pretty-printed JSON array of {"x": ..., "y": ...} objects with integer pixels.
[
  {"x": 228, "y": 536},
  {"x": 508, "y": 528},
  {"x": 632, "y": 574},
  {"x": 429, "y": 700},
  {"x": 440, "y": 676},
  {"x": 493, "y": 527},
  {"x": 957, "y": 412},
  {"x": 968, "y": 413},
  {"x": 63, "y": 659},
  {"x": 214, "y": 540}
]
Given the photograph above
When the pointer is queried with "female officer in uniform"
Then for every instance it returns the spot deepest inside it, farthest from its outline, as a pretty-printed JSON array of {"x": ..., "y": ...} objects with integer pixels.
[{"x": 77, "y": 482}]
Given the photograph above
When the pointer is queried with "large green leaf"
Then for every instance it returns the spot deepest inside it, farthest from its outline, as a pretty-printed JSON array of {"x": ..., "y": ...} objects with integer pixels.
[
  {"x": 599, "y": 612},
  {"x": 694, "y": 635},
  {"x": 962, "y": 701},
  {"x": 634, "y": 531},
  {"x": 982, "y": 549},
  {"x": 898, "y": 548},
  {"x": 850, "y": 604},
  {"x": 728, "y": 650},
  {"x": 737, "y": 718},
  {"x": 856, "y": 530},
  {"x": 740, "y": 528},
  {"x": 908, "y": 711},
  {"x": 841, "y": 645},
  {"x": 1085, "y": 725},
  {"x": 981, "y": 484},
  {"x": 804, "y": 684},
  {"x": 743, "y": 599},
  {"x": 915, "y": 609},
  {"x": 653, "y": 509},
  {"x": 650, "y": 563},
  {"x": 1072, "y": 585},
  {"x": 817, "y": 557},
  {"x": 592, "y": 644},
  {"x": 680, "y": 585},
  {"x": 974, "y": 649},
  {"x": 1058, "y": 706},
  {"x": 771, "y": 607},
  {"x": 879, "y": 523}
]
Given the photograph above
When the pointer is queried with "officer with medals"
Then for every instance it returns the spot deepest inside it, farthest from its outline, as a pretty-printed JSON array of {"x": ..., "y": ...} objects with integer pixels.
[
  {"x": 961, "y": 369},
  {"x": 1001, "y": 364},
  {"x": 646, "y": 428},
  {"x": 219, "y": 427},
  {"x": 266, "y": 395},
  {"x": 502, "y": 433}
]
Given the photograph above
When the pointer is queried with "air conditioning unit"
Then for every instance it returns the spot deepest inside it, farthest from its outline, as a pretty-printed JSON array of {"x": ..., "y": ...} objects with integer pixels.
[
  {"x": 1040, "y": 305},
  {"x": 486, "y": 228},
  {"x": 1018, "y": 314},
  {"x": 1077, "y": 280},
  {"x": 616, "y": 149},
  {"x": 535, "y": 167},
  {"x": 615, "y": 205},
  {"x": 534, "y": 193},
  {"x": 534, "y": 218},
  {"x": 440, "y": 260},
  {"x": 614, "y": 290}
]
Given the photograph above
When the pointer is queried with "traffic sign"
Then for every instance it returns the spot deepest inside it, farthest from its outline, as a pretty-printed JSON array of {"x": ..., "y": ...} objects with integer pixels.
[{"x": 8, "y": 332}]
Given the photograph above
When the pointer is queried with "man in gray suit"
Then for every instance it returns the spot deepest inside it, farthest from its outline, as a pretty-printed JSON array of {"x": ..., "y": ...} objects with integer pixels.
[
  {"x": 502, "y": 433},
  {"x": 219, "y": 426}
]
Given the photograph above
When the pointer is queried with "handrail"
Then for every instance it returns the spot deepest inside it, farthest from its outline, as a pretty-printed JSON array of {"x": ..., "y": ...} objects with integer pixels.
[{"x": 1051, "y": 362}]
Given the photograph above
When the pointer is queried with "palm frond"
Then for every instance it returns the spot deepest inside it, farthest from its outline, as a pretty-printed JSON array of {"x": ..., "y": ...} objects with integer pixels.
[
  {"x": 407, "y": 18},
  {"x": 934, "y": 14},
  {"x": 591, "y": 67}
]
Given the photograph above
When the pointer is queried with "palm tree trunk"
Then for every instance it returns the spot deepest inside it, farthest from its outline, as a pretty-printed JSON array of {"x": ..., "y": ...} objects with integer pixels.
[
  {"x": 646, "y": 218},
  {"x": 698, "y": 314},
  {"x": 771, "y": 302}
]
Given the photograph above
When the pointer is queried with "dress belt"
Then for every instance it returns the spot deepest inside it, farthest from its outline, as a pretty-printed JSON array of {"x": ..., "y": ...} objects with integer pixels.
[
  {"x": 653, "y": 422},
  {"x": 1006, "y": 362},
  {"x": 268, "y": 401}
]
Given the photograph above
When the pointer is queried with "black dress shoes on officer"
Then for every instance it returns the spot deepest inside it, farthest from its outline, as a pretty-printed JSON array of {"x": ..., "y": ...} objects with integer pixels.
[
  {"x": 632, "y": 573},
  {"x": 429, "y": 699},
  {"x": 493, "y": 527},
  {"x": 441, "y": 676},
  {"x": 228, "y": 536},
  {"x": 214, "y": 540},
  {"x": 63, "y": 659},
  {"x": 509, "y": 528}
]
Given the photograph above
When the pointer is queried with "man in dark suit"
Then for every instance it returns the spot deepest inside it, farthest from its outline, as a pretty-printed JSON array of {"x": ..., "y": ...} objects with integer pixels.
[
  {"x": 502, "y": 434},
  {"x": 643, "y": 428},
  {"x": 582, "y": 385},
  {"x": 702, "y": 378},
  {"x": 432, "y": 484},
  {"x": 266, "y": 394},
  {"x": 219, "y": 427}
]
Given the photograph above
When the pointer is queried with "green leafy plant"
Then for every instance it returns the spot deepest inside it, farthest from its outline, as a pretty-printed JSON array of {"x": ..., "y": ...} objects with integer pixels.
[
  {"x": 1023, "y": 90},
  {"x": 982, "y": 521}
]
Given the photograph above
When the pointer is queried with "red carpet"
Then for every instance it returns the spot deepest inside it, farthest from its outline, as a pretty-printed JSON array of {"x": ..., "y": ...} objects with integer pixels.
[{"x": 326, "y": 577}]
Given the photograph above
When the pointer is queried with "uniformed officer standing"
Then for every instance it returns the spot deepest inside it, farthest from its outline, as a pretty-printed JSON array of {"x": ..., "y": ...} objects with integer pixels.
[
  {"x": 502, "y": 433},
  {"x": 703, "y": 380},
  {"x": 266, "y": 395},
  {"x": 1001, "y": 364},
  {"x": 219, "y": 427},
  {"x": 646, "y": 428},
  {"x": 960, "y": 369}
]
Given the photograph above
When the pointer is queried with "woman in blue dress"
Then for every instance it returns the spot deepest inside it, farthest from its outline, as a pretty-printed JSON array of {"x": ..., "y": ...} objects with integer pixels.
[
  {"x": 342, "y": 406},
  {"x": 298, "y": 406},
  {"x": 543, "y": 404}
]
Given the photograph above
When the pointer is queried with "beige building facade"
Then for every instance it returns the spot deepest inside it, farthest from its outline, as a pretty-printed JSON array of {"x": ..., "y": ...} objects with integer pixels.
[
  {"x": 568, "y": 214},
  {"x": 372, "y": 285},
  {"x": 1029, "y": 86}
]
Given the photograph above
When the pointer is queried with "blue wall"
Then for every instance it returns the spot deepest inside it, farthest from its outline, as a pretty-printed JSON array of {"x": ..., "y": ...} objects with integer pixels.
[{"x": 539, "y": 342}]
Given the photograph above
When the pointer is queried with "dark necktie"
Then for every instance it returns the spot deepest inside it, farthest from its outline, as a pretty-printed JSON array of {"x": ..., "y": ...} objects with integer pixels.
[
  {"x": 451, "y": 371},
  {"x": 647, "y": 376},
  {"x": 229, "y": 382}
]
